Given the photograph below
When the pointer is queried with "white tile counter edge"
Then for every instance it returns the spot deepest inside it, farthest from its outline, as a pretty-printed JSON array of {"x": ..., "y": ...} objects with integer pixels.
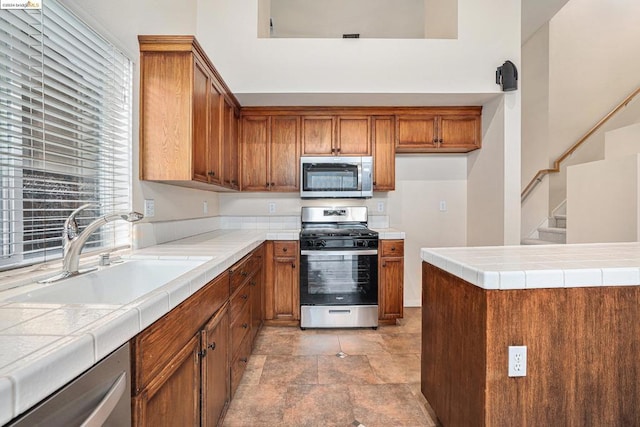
[
  {"x": 27, "y": 380},
  {"x": 541, "y": 266}
]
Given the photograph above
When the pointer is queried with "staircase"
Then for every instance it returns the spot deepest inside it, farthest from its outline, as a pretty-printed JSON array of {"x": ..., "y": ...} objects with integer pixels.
[{"x": 553, "y": 232}]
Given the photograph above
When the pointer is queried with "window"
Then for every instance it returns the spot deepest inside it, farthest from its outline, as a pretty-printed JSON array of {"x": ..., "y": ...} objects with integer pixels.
[{"x": 65, "y": 132}]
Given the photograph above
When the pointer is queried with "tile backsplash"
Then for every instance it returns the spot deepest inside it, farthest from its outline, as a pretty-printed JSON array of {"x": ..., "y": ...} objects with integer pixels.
[{"x": 155, "y": 233}]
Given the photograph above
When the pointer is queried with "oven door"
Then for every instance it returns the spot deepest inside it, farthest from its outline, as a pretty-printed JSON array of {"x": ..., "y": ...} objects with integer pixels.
[{"x": 339, "y": 277}]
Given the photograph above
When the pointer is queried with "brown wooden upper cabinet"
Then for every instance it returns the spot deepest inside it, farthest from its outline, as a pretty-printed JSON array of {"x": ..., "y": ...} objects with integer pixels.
[
  {"x": 230, "y": 147},
  {"x": 185, "y": 111},
  {"x": 336, "y": 135},
  {"x": 384, "y": 153},
  {"x": 270, "y": 153},
  {"x": 450, "y": 131}
]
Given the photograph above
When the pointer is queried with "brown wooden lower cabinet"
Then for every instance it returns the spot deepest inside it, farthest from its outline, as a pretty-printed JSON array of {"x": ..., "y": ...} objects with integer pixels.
[
  {"x": 390, "y": 281},
  {"x": 282, "y": 291},
  {"x": 172, "y": 398},
  {"x": 187, "y": 365},
  {"x": 582, "y": 354},
  {"x": 216, "y": 391}
]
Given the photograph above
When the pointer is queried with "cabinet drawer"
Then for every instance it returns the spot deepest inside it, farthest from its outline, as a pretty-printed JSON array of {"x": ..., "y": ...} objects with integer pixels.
[
  {"x": 239, "y": 364},
  {"x": 244, "y": 269},
  {"x": 392, "y": 248},
  {"x": 285, "y": 249},
  {"x": 240, "y": 302},
  {"x": 152, "y": 348},
  {"x": 240, "y": 329}
]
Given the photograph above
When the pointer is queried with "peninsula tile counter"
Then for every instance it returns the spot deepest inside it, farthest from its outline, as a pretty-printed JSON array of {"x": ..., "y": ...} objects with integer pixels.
[{"x": 575, "y": 307}]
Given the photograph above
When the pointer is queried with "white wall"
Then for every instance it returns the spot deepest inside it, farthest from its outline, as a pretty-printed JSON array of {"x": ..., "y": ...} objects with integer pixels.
[
  {"x": 603, "y": 201},
  {"x": 122, "y": 21},
  {"x": 488, "y": 33},
  {"x": 494, "y": 176},
  {"x": 535, "y": 127},
  {"x": 422, "y": 181}
]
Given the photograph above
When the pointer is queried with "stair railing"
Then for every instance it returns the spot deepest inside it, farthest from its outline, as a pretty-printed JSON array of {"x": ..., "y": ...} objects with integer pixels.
[{"x": 556, "y": 164}]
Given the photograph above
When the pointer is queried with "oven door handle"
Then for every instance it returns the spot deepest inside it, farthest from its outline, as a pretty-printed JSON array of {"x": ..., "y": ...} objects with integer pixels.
[{"x": 323, "y": 252}]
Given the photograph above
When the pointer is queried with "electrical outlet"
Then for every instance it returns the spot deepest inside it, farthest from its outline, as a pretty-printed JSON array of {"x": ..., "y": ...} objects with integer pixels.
[
  {"x": 517, "y": 360},
  {"x": 149, "y": 208},
  {"x": 380, "y": 206},
  {"x": 443, "y": 206},
  {"x": 272, "y": 207},
  {"x": 205, "y": 207}
]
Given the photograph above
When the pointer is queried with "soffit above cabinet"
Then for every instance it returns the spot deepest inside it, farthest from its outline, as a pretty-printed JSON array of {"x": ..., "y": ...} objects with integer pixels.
[{"x": 364, "y": 99}]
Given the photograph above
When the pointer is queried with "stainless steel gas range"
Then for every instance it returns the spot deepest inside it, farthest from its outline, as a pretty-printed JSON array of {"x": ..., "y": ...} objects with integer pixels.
[{"x": 338, "y": 268}]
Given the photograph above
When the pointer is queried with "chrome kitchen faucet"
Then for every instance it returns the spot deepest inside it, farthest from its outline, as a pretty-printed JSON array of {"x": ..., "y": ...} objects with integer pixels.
[{"x": 73, "y": 241}]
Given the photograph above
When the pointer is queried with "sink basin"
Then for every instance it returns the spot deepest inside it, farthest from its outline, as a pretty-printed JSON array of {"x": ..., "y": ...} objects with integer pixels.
[{"x": 118, "y": 283}]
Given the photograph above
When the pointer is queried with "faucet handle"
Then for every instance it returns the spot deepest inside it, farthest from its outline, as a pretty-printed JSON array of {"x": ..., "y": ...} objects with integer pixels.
[{"x": 70, "y": 229}]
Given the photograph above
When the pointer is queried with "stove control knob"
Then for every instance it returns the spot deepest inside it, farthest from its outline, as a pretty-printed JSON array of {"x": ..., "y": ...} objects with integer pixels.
[{"x": 321, "y": 243}]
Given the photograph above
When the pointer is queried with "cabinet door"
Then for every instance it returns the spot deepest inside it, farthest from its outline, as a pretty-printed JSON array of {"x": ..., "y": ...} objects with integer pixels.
[
  {"x": 172, "y": 398},
  {"x": 216, "y": 387},
  {"x": 216, "y": 129},
  {"x": 284, "y": 154},
  {"x": 317, "y": 136},
  {"x": 391, "y": 286},
  {"x": 230, "y": 147},
  {"x": 281, "y": 290},
  {"x": 257, "y": 302},
  {"x": 200, "y": 117},
  {"x": 459, "y": 133},
  {"x": 416, "y": 133},
  {"x": 384, "y": 153},
  {"x": 255, "y": 133},
  {"x": 285, "y": 286},
  {"x": 352, "y": 136}
]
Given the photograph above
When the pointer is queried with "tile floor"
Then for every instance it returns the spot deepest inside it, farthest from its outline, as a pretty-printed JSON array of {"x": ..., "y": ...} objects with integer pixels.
[{"x": 294, "y": 378}]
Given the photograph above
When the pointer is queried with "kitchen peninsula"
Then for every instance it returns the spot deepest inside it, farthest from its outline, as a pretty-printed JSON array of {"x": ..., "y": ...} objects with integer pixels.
[{"x": 575, "y": 307}]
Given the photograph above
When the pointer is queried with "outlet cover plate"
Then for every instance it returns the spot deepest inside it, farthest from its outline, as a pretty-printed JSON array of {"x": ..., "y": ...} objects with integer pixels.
[
  {"x": 517, "y": 360},
  {"x": 149, "y": 208}
]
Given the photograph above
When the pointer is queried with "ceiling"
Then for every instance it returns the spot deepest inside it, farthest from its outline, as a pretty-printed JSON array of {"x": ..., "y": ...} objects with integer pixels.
[{"x": 535, "y": 13}]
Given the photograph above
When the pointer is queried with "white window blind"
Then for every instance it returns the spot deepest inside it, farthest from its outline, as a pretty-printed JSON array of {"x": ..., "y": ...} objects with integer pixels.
[{"x": 65, "y": 132}]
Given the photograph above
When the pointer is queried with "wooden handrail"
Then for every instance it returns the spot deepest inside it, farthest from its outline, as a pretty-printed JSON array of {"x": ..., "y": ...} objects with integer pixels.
[{"x": 556, "y": 165}]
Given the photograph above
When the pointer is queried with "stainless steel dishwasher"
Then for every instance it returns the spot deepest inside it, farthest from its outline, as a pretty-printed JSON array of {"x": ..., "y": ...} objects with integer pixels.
[{"x": 99, "y": 397}]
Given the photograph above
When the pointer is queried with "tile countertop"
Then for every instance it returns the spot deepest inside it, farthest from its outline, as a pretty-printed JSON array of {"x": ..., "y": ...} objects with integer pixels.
[
  {"x": 541, "y": 266},
  {"x": 44, "y": 346}
]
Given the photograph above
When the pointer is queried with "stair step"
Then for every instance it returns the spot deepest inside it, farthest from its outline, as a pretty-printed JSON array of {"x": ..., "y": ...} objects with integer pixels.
[
  {"x": 553, "y": 234},
  {"x": 560, "y": 220},
  {"x": 536, "y": 242}
]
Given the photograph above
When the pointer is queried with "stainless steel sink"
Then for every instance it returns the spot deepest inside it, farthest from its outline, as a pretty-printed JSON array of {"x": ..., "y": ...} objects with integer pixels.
[{"x": 116, "y": 284}]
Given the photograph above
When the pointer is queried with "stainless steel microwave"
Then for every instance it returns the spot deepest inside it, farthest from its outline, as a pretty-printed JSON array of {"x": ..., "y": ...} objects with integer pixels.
[{"x": 336, "y": 177}]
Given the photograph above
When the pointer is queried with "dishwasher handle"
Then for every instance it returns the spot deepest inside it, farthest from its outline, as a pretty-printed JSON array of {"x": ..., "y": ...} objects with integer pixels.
[
  {"x": 332, "y": 252},
  {"x": 108, "y": 403}
]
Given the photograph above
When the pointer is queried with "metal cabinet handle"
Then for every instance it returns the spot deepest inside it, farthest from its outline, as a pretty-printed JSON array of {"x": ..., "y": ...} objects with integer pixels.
[
  {"x": 107, "y": 404},
  {"x": 244, "y": 274},
  {"x": 284, "y": 249},
  {"x": 211, "y": 173},
  {"x": 245, "y": 325},
  {"x": 253, "y": 283},
  {"x": 293, "y": 266},
  {"x": 212, "y": 346},
  {"x": 244, "y": 296}
]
